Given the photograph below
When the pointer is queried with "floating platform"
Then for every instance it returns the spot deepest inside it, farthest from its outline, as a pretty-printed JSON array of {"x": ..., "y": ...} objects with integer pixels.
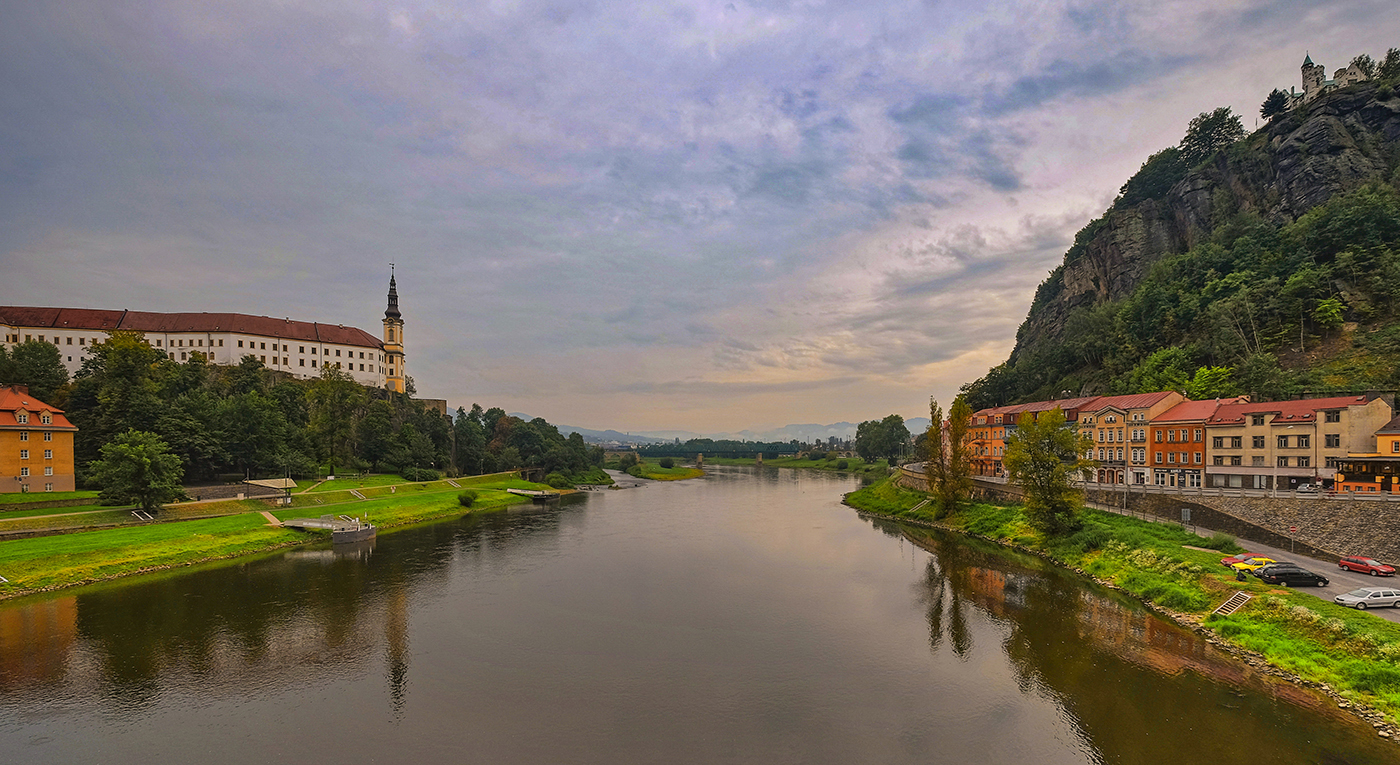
[
  {"x": 537, "y": 496},
  {"x": 343, "y": 529}
]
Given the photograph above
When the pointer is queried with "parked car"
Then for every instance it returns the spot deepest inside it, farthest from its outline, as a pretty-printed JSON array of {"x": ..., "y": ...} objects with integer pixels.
[
  {"x": 1365, "y": 566},
  {"x": 1306, "y": 488},
  {"x": 1230, "y": 562},
  {"x": 1291, "y": 575},
  {"x": 1369, "y": 597},
  {"x": 1253, "y": 564}
]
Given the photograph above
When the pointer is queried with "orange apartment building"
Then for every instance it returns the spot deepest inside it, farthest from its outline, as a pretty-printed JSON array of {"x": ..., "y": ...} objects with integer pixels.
[
  {"x": 1117, "y": 426},
  {"x": 1176, "y": 446},
  {"x": 990, "y": 428},
  {"x": 36, "y": 444}
]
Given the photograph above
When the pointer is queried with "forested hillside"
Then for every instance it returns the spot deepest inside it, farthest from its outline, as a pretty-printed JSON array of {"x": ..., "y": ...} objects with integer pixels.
[{"x": 1266, "y": 264}]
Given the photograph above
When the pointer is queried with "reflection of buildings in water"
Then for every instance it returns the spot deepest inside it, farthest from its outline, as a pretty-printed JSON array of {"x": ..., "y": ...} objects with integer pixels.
[
  {"x": 997, "y": 590},
  {"x": 35, "y": 640},
  {"x": 396, "y": 640}
]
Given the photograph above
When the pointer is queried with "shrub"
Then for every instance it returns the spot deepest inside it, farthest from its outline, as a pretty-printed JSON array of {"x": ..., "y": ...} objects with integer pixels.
[
  {"x": 814, "y": 456},
  {"x": 892, "y": 462},
  {"x": 1091, "y": 537},
  {"x": 627, "y": 460},
  {"x": 466, "y": 498},
  {"x": 558, "y": 481},
  {"x": 667, "y": 462},
  {"x": 842, "y": 464},
  {"x": 1219, "y": 541},
  {"x": 419, "y": 474},
  {"x": 1385, "y": 92},
  {"x": 832, "y": 455}
]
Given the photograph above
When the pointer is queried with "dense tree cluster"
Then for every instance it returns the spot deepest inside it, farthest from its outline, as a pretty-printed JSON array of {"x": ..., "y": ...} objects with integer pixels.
[
  {"x": 1212, "y": 321},
  {"x": 722, "y": 447},
  {"x": 1046, "y": 459},
  {"x": 247, "y": 420},
  {"x": 887, "y": 438}
]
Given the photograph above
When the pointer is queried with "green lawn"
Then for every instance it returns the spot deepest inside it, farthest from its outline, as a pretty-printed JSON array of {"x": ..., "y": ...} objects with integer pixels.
[
  {"x": 18, "y": 498},
  {"x": 68, "y": 559},
  {"x": 345, "y": 484},
  {"x": 655, "y": 472},
  {"x": 1357, "y": 654}
]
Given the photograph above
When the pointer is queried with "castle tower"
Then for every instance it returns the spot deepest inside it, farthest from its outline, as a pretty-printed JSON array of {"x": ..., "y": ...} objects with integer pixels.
[
  {"x": 1314, "y": 76},
  {"x": 395, "y": 374}
]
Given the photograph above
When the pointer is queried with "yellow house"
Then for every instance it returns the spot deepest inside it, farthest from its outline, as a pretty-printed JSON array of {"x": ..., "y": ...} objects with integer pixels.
[{"x": 36, "y": 444}]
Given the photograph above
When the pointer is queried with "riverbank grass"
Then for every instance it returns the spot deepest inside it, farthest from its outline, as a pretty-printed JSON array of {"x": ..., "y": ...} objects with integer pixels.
[
  {"x": 42, "y": 563},
  {"x": 837, "y": 465},
  {"x": 655, "y": 472},
  {"x": 1356, "y": 654}
]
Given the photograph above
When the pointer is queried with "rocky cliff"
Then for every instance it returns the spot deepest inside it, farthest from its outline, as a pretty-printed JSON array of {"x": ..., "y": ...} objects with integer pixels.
[{"x": 1298, "y": 161}]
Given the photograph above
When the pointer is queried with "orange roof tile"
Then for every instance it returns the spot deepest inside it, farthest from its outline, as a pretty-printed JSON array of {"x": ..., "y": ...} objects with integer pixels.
[
  {"x": 12, "y": 401},
  {"x": 1194, "y": 411},
  {"x": 1301, "y": 410}
]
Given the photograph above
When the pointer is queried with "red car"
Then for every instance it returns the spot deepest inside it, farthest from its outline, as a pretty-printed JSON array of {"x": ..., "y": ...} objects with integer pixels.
[
  {"x": 1241, "y": 558},
  {"x": 1365, "y": 566}
]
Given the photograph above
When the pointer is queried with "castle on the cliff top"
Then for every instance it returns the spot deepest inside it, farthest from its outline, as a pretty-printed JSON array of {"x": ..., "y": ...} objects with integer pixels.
[{"x": 1315, "y": 81}]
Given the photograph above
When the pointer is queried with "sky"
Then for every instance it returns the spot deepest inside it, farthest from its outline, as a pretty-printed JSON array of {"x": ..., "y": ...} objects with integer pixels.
[{"x": 636, "y": 215}]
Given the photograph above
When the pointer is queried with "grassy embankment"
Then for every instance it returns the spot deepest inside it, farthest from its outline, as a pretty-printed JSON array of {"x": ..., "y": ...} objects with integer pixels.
[
  {"x": 655, "y": 472},
  {"x": 1354, "y": 653},
  {"x": 43, "y": 563},
  {"x": 22, "y": 498},
  {"x": 839, "y": 464}
]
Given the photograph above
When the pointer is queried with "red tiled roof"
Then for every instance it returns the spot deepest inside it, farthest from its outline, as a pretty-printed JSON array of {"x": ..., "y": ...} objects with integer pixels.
[
  {"x": 1302, "y": 410},
  {"x": 1193, "y": 411},
  {"x": 146, "y": 321},
  {"x": 1131, "y": 401},
  {"x": 12, "y": 402}
]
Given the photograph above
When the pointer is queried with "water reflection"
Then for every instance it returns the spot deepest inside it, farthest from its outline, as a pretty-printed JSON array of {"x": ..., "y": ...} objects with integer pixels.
[{"x": 1103, "y": 658}]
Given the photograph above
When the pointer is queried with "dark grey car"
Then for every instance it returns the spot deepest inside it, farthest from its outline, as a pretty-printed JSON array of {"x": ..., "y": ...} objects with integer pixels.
[{"x": 1291, "y": 575}]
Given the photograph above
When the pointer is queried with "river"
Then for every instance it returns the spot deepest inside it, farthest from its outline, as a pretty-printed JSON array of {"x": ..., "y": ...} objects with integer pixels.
[{"x": 744, "y": 617}]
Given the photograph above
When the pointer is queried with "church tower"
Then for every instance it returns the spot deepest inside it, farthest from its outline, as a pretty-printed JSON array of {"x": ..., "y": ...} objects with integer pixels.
[{"x": 393, "y": 340}]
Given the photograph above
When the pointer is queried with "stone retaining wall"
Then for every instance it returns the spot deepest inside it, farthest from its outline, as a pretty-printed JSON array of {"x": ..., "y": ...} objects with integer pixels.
[{"x": 231, "y": 491}]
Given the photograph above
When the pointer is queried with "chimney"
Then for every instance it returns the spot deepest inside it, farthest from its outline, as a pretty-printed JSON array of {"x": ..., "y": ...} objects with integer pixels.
[{"x": 22, "y": 390}]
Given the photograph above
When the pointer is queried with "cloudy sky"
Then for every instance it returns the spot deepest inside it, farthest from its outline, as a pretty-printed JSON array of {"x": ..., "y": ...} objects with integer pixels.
[{"x": 640, "y": 215}]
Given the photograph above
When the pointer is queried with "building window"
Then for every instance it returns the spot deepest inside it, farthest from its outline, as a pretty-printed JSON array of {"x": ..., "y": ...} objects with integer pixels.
[
  {"x": 1257, "y": 460},
  {"x": 240, "y": 343},
  {"x": 1334, "y": 462},
  {"x": 1157, "y": 458},
  {"x": 1304, "y": 462},
  {"x": 82, "y": 341},
  {"x": 362, "y": 367},
  {"x": 24, "y": 435},
  {"x": 301, "y": 362},
  {"x": 1304, "y": 442},
  {"x": 313, "y": 362},
  {"x": 221, "y": 343},
  {"x": 1171, "y": 436},
  {"x": 263, "y": 359},
  {"x": 1332, "y": 440},
  {"x": 262, "y": 346},
  {"x": 1395, "y": 447},
  {"x": 1257, "y": 419},
  {"x": 284, "y": 362},
  {"x": 24, "y": 472},
  {"x": 22, "y": 418},
  {"x": 1171, "y": 458},
  {"x": 362, "y": 354},
  {"x": 1237, "y": 460},
  {"x": 70, "y": 341},
  {"x": 48, "y": 487},
  {"x": 1283, "y": 462},
  {"x": 301, "y": 349},
  {"x": 1258, "y": 442},
  {"x": 1217, "y": 442},
  {"x": 1197, "y": 459},
  {"x": 1283, "y": 442},
  {"x": 1200, "y": 435},
  {"x": 1217, "y": 460},
  {"x": 1236, "y": 442},
  {"x": 337, "y": 351},
  {"x": 158, "y": 344},
  {"x": 24, "y": 454},
  {"x": 313, "y": 351},
  {"x": 48, "y": 454},
  {"x": 1332, "y": 417},
  {"x": 48, "y": 470}
]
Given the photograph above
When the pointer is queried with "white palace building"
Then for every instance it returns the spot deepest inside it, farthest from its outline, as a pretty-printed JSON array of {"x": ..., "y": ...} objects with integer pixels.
[{"x": 300, "y": 348}]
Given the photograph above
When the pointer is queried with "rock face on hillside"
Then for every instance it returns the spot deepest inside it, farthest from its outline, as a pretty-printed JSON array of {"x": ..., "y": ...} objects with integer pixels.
[{"x": 1298, "y": 161}]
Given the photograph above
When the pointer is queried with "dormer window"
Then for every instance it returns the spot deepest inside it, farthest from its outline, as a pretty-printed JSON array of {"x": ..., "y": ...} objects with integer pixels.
[
  {"x": 46, "y": 418},
  {"x": 22, "y": 418}
]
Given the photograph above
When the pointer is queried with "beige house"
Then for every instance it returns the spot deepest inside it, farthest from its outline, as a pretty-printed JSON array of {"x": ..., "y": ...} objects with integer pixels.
[
  {"x": 1118, "y": 427},
  {"x": 1285, "y": 444}
]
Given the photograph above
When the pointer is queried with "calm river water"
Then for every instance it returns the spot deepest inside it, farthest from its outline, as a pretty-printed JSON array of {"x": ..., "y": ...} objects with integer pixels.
[{"x": 745, "y": 617}]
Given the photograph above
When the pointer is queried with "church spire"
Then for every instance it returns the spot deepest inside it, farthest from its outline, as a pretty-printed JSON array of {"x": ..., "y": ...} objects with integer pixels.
[{"x": 393, "y": 311}]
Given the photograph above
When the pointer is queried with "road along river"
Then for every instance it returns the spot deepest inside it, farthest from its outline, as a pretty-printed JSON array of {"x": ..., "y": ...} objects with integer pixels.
[{"x": 743, "y": 617}]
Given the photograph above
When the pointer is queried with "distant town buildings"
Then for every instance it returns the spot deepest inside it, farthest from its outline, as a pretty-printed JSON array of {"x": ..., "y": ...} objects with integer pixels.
[
  {"x": 1162, "y": 439},
  {"x": 299, "y": 348}
]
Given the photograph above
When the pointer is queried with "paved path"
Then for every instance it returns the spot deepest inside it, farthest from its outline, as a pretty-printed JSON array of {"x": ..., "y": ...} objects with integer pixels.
[{"x": 271, "y": 519}]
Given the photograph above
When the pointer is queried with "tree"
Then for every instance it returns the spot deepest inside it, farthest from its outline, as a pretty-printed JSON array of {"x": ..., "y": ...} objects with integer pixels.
[
  {"x": 1208, "y": 133},
  {"x": 38, "y": 365},
  {"x": 1154, "y": 179},
  {"x": 138, "y": 468},
  {"x": 1275, "y": 103},
  {"x": 1389, "y": 68},
  {"x": 882, "y": 438},
  {"x": 948, "y": 468},
  {"x": 1042, "y": 457},
  {"x": 336, "y": 402},
  {"x": 1366, "y": 64},
  {"x": 1211, "y": 382}
]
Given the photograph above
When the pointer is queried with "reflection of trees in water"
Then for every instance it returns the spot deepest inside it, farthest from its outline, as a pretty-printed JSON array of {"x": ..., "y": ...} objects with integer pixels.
[
  {"x": 1131, "y": 682},
  {"x": 277, "y": 619}
]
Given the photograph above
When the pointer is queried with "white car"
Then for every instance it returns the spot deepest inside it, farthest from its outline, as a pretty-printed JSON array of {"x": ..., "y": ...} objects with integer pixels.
[{"x": 1370, "y": 597}]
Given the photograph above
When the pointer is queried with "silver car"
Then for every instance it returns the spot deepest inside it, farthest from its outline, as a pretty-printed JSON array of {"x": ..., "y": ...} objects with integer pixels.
[{"x": 1370, "y": 597}]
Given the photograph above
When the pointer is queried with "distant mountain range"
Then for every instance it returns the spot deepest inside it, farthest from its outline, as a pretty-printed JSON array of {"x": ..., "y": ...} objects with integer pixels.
[{"x": 802, "y": 432}]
